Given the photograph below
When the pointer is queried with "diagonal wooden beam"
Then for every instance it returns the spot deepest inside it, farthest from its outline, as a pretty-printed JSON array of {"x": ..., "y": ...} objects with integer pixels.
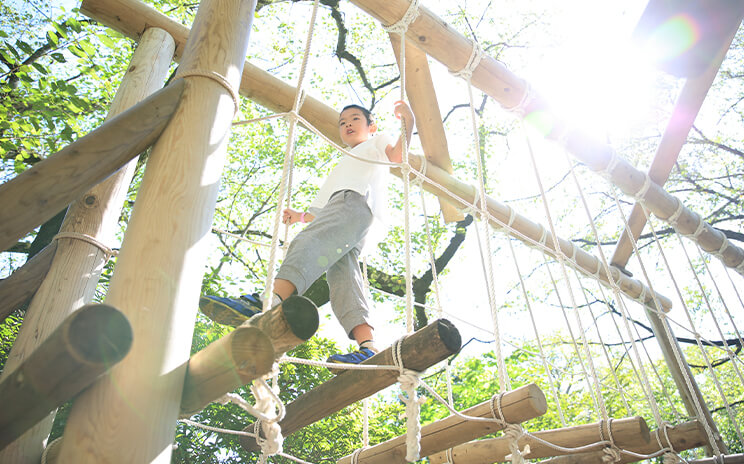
[
  {"x": 423, "y": 97},
  {"x": 39, "y": 193},
  {"x": 22, "y": 284},
  {"x": 688, "y": 105}
]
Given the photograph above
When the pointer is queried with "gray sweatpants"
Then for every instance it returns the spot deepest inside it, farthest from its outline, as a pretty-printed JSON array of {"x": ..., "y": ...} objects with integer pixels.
[{"x": 331, "y": 244}]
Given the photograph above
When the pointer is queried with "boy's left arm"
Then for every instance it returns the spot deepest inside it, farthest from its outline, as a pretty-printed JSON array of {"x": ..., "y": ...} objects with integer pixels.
[{"x": 395, "y": 152}]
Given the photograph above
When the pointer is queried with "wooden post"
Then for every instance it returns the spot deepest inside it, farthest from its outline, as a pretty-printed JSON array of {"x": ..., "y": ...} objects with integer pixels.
[
  {"x": 73, "y": 275},
  {"x": 518, "y": 405},
  {"x": 420, "y": 350},
  {"x": 236, "y": 359},
  {"x": 627, "y": 433},
  {"x": 129, "y": 416},
  {"x": 685, "y": 436},
  {"x": 685, "y": 111},
  {"x": 420, "y": 90},
  {"x": 83, "y": 347},
  {"x": 39, "y": 193},
  {"x": 21, "y": 285},
  {"x": 289, "y": 324},
  {"x": 726, "y": 459}
]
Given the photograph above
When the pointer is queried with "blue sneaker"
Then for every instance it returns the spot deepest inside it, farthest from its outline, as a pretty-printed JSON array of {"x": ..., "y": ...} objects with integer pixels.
[
  {"x": 356, "y": 357},
  {"x": 230, "y": 311}
]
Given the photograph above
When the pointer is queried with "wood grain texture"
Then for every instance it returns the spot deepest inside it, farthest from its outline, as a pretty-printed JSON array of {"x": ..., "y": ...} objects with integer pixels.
[
  {"x": 73, "y": 276},
  {"x": 518, "y": 405},
  {"x": 22, "y": 284},
  {"x": 39, "y": 193},
  {"x": 160, "y": 266},
  {"x": 289, "y": 324},
  {"x": 420, "y": 350},
  {"x": 83, "y": 347},
  {"x": 234, "y": 360},
  {"x": 627, "y": 433}
]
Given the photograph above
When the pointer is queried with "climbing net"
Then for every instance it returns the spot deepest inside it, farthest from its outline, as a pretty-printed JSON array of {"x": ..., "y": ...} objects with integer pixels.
[{"x": 597, "y": 305}]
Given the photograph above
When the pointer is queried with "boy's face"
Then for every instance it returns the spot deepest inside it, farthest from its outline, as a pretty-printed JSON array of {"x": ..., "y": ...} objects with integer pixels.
[{"x": 353, "y": 127}]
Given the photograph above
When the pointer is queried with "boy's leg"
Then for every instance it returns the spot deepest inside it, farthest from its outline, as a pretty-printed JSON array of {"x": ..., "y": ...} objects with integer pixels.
[{"x": 349, "y": 304}]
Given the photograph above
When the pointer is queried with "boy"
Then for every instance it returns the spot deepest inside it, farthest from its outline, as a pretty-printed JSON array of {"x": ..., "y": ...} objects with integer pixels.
[{"x": 351, "y": 202}]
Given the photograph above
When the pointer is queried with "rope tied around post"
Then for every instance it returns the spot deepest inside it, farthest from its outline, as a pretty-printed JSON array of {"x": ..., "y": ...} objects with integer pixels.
[
  {"x": 400, "y": 27},
  {"x": 611, "y": 451},
  {"x": 512, "y": 432},
  {"x": 476, "y": 55},
  {"x": 218, "y": 78},
  {"x": 409, "y": 380},
  {"x": 109, "y": 252}
]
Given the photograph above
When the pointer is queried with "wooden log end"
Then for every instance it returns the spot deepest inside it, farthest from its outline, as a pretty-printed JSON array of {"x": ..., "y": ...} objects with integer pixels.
[
  {"x": 302, "y": 316},
  {"x": 114, "y": 334},
  {"x": 449, "y": 335}
]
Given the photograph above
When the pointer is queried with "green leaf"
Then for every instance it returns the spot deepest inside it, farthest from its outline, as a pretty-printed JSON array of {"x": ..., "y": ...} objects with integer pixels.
[
  {"x": 58, "y": 57},
  {"x": 107, "y": 41},
  {"x": 39, "y": 67},
  {"x": 52, "y": 38},
  {"x": 60, "y": 30}
]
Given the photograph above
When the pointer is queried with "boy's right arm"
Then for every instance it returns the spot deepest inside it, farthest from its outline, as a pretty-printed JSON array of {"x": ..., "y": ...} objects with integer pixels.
[{"x": 291, "y": 216}]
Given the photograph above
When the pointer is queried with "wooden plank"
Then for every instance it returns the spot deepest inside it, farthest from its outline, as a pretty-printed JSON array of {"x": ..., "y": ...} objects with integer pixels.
[
  {"x": 82, "y": 348},
  {"x": 423, "y": 97},
  {"x": 724, "y": 459},
  {"x": 73, "y": 276},
  {"x": 160, "y": 266},
  {"x": 39, "y": 193},
  {"x": 518, "y": 405},
  {"x": 685, "y": 111},
  {"x": 685, "y": 436},
  {"x": 247, "y": 352},
  {"x": 420, "y": 350},
  {"x": 21, "y": 285},
  {"x": 629, "y": 432}
]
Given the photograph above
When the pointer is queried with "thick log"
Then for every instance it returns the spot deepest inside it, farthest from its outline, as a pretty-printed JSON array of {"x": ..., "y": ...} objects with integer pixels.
[
  {"x": 685, "y": 436},
  {"x": 289, "y": 324},
  {"x": 39, "y": 193},
  {"x": 236, "y": 359},
  {"x": 628, "y": 432},
  {"x": 420, "y": 350},
  {"x": 82, "y": 348},
  {"x": 246, "y": 353},
  {"x": 130, "y": 17},
  {"x": 518, "y": 405},
  {"x": 73, "y": 276},
  {"x": 128, "y": 416},
  {"x": 21, "y": 285},
  {"x": 423, "y": 97}
]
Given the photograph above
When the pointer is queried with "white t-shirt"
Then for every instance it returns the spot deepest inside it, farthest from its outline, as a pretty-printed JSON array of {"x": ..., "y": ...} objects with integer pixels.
[{"x": 365, "y": 178}]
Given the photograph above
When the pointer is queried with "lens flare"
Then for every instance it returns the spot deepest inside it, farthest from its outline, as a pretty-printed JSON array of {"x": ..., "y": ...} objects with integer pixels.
[{"x": 674, "y": 37}]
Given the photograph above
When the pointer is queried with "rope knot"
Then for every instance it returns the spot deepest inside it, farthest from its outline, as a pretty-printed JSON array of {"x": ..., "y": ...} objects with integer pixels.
[
  {"x": 411, "y": 14},
  {"x": 611, "y": 454},
  {"x": 513, "y": 432}
]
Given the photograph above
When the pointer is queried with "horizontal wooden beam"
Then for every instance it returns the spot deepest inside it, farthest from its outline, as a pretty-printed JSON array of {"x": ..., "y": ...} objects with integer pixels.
[
  {"x": 39, "y": 193},
  {"x": 420, "y": 350},
  {"x": 518, "y": 405},
  {"x": 630, "y": 432},
  {"x": 685, "y": 436},
  {"x": 724, "y": 459},
  {"x": 22, "y": 284},
  {"x": 85, "y": 346},
  {"x": 289, "y": 324}
]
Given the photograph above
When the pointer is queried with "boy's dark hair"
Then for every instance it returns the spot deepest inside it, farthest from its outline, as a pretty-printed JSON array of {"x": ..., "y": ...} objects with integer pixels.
[{"x": 367, "y": 114}]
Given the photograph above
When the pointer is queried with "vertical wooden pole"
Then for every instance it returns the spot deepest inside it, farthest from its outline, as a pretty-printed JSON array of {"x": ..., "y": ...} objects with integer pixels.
[
  {"x": 73, "y": 275},
  {"x": 130, "y": 415}
]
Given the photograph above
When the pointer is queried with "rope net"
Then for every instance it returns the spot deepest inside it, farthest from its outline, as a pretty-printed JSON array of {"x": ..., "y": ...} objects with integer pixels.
[{"x": 663, "y": 344}]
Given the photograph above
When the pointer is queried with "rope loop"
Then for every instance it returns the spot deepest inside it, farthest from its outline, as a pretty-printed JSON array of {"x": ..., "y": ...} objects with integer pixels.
[
  {"x": 698, "y": 229},
  {"x": 724, "y": 245},
  {"x": 418, "y": 178},
  {"x": 520, "y": 109},
  {"x": 472, "y": 209},
  {"x": 641, "y": 193},
  {"x": 410, "y": 16},
  {"x": 611, "y": 165},
  {"x": 672, "y": 220},
  {"x": 611, "y": 454},
  {"x": 109, "y": 252},
  {"x": 218, "y": 78},
  {"x": 476, "y": 55},
  {"x": 409, "y": 380},
  {"x": 356, "y": 453},
  {"x": 671, "y": 458},
  {"x": 450, "y": 456}
]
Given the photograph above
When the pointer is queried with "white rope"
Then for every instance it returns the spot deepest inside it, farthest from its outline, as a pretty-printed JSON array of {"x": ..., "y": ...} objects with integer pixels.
[
  {"x": 218, "y": 78},
  {"x": 409, "y": 17},
  {"x": 476, "y": 55},
  {"x": 107, "y": 251},
  {"x": 409, "y": 380}
]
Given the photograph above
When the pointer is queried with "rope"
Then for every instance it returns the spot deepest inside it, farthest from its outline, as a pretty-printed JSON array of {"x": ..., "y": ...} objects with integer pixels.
[
  {"x": 108, "y": 252},
  {"x": 218, "y": 78},
  {"x": 401, "y": 26},
  {"x": 409, "y": 380},
  {"x": 476, "y": 55}
]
